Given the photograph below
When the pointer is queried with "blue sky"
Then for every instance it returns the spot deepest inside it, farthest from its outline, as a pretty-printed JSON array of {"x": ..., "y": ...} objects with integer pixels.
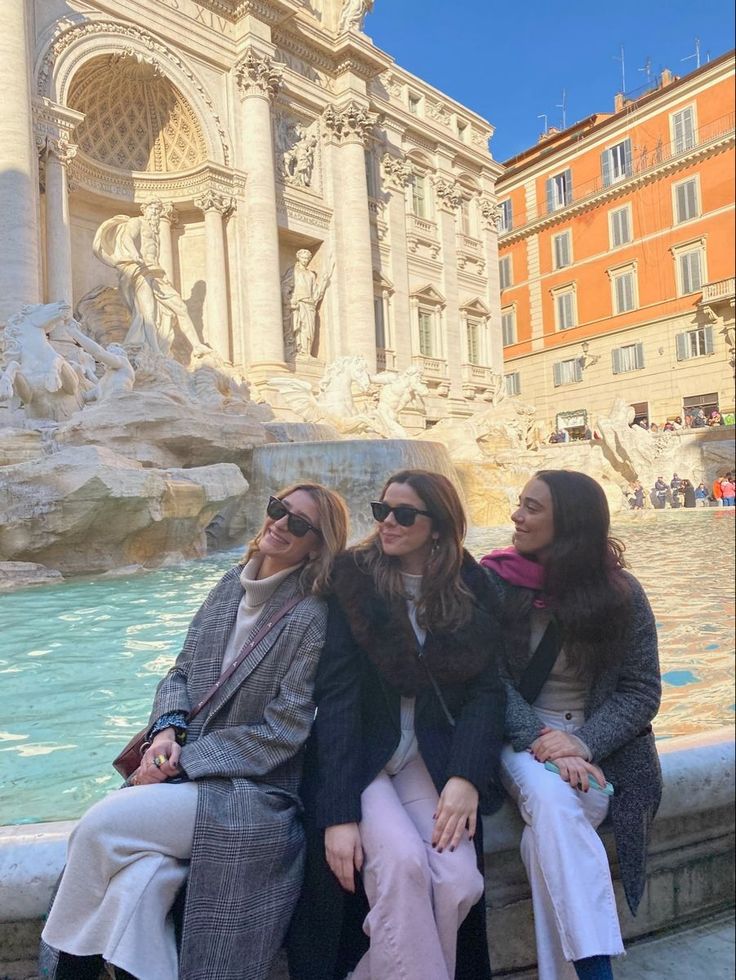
[{"x": 511, "y": 61}]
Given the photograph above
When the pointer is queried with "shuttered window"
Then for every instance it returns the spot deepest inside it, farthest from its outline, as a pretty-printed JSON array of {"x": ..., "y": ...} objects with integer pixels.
[
  {"x": 472, "y": 334},
  {"x": 512, "y": 383},
  {"x": 508, "y": 327},
  {"x": 567, "y": 372},
  {"x": 624, "y": 292},
  {"x": 686, "y": 200},
  {"x": 504, "y": 272},
  {"x": 426, "y": 334},
  {"x": 565, "y": 310},
  {"x": 620, "y": 227},
  {"x": 505, "y": 217},
  {"x": 562, "y": 248},
  {"x": 419, "y": 196},
  {"x": 694, "y": 343},
  {"x": 559, "y": 191},
  {"x": 683, "y": 130},
  {"x": 691, "y": 271},
  {"x": 616, "y": 163},
  {"x": 628, "y": 358}
]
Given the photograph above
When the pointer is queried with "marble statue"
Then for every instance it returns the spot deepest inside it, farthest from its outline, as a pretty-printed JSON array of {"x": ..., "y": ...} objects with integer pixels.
[
  {"x": 46, "y": 384},
  {"x": 131, "y": 246},
  {"x": 353, "y": 14},
  {"x": 333, "y": 404},
  {"x": 302, "y": 291},
  {"x": 297, "y": 146},
  {"x": 118, "y": 376},
  {"x": 397, "y": 391}
]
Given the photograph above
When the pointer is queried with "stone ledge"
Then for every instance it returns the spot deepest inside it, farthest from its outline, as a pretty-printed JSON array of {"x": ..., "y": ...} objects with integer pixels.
[{"x": 690, "y": 873}]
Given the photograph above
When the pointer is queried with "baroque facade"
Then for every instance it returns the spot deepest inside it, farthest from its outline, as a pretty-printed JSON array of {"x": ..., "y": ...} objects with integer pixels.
[
  {"x": 616, "y": 251},
  {"x": 314, "y": 199}
]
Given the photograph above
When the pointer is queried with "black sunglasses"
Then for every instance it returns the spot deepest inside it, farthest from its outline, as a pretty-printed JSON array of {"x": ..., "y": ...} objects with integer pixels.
[
  {"x": 404, "y": 514},
  {"x": 298, "y": 526}
]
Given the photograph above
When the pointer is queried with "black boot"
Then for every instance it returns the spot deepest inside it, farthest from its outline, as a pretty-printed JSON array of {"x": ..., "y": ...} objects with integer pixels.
[{"x": 78, "y": 967}]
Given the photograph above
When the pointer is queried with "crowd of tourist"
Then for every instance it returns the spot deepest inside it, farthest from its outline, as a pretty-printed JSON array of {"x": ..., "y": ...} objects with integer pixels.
[
  {"x": 681, "y": 492},
  {"x": 695, "y": 418},
  {"x": 319, "y": 755}
]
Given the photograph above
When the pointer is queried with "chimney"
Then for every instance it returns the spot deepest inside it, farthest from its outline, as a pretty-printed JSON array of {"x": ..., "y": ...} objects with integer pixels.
[
  {"x": 666, "y": 78},
  {"x": 619, "y": 101}
]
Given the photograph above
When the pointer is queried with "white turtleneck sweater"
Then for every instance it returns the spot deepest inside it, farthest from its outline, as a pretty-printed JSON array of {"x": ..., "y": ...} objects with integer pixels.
[
  {"x": 407, "y": 749},
  {"x": 257, "y": 593}
]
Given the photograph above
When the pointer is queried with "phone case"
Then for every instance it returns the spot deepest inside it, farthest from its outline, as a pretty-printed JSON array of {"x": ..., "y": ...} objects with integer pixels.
[{"x": 607, "y": 789}]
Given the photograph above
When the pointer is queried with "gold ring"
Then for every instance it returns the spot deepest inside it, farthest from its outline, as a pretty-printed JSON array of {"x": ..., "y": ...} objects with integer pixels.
[{"x": 158, "y": 760}]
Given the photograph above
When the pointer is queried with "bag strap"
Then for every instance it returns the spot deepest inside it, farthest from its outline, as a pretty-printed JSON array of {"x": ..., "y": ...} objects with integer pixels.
[
  {"x": 435, "y": 686},
  {"x": 539, "y": 667},
  {"x": 247, "y": 649}
]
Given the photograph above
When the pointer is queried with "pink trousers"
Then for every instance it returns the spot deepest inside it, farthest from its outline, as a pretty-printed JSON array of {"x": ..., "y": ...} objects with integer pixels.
[{"x": 418, "y": 898}]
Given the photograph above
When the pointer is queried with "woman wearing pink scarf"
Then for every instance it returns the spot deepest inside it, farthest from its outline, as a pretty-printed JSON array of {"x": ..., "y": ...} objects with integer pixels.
[{"x": 583, "y": 686}]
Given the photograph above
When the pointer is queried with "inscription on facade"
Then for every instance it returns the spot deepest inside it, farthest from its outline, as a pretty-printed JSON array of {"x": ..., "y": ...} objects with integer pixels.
[{"x": 200, "y": 14}]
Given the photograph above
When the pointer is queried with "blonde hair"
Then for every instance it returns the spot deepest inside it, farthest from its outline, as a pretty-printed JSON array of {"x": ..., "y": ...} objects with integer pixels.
[
  {"x": 445, "y": 601},
  {"x": 332, "y": 521}
]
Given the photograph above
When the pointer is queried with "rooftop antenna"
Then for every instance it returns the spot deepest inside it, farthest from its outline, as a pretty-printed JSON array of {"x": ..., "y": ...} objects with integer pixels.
[
  {"x": 620, "y": 57},
  {"x": 696, "y": 55},
  {"x": 543, "y": 115},
  {"x": 647, "y": 69},
  {"x": 563, "y": 105}
]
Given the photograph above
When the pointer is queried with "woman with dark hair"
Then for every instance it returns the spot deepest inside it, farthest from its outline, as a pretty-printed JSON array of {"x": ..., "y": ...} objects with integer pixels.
[
  {"x": 214, "y": 802},
  {"x": 410, "y": 712},
  {"x": 583, "y": 686}
]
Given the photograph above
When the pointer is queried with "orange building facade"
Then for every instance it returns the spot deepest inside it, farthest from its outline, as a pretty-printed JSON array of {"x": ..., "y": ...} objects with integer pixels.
[{"x": 616, "y": 258}]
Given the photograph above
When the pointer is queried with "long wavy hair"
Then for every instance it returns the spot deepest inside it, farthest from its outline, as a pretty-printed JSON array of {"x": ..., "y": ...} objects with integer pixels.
[
  {"x": 445, "y": 601},
  {"x": 332, "y": 520},
  {"x": 584, "y": 578}
]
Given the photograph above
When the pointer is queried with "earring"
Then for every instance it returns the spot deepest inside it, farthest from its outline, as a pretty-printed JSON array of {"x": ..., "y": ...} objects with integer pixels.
[{"x": 435, "y": 547}]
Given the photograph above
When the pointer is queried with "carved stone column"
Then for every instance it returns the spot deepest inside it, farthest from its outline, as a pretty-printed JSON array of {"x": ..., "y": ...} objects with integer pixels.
[
  {"x": 217, "y": 333},
  {"x": 258, "y": 81},
  {"x": 490, "y": 213},
  {"x": 449, "y": 198},
  {"x": 165, "y": 247},
  {"x": 348, "y": 127},
  {"x": 19, "y": 268},
  {"x": 59, "y": 153},
  {"x": 396, "y": 173}
]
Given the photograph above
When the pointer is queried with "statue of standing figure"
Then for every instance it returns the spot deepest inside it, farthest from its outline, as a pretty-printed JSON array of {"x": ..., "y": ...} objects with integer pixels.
[
  {"x": 131, "y": 246},
  {"x": 302, "y": 291},
  {"x": 353, "y": 14}
]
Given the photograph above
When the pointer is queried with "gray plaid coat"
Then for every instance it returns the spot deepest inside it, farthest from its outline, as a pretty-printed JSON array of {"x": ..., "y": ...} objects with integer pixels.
[{"x": 243, "y": 750}]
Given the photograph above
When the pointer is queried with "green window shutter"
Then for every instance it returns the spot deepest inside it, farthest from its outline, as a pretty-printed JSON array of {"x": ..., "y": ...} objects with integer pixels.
[
  {"x": 550, "y": 195},
  {"x": 557, "y": 373},
  {"x": 606, "y": 168},
  {"x": 628, "y": 169},
  {"x": 616, "y": 360},
  {"x": 640, "y": 355},
  {"x": 709, "y": 342},
  {"x": 681, "y": 346}
]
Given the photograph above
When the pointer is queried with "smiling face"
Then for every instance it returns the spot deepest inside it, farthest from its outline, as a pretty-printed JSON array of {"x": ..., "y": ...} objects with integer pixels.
[
  {"x": 534, "y": 526},
  {"x": 412, "y": 546},
  {"x": 279, "y": 547}
]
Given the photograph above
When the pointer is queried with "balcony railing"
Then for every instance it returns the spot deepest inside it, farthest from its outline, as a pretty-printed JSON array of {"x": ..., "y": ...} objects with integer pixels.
[
  {"x": 645, "y": 159},
  {"x": 723, "y": 289},
  {"x": 423, "y": 226}
]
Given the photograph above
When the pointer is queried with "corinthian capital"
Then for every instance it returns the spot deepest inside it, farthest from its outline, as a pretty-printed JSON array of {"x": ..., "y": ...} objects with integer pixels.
[
  {"x": 257, "y": 75},
  {"x": 397, "y": 171},
  {"x": 351, "y": 121},
  {"x": 490, "y": 212},
  {"x": 211, "y": 201},
  {"x": 61, "y": 149},
  {"x": 448, "y": 194}
]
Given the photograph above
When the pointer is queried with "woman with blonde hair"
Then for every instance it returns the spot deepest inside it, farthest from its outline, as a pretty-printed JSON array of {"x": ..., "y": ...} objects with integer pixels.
[
  {"x": 407, "y": 739},
  {"x": 214, "y": 802}
]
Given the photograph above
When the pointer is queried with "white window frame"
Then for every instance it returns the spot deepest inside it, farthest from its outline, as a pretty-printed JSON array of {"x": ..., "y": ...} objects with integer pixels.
[
  {"x": 683, "y": 145},
  {"x": 512, "y": 383},
  {"x": 617, "y": 167},
  {"x": 508, "y": 313},
  {"x": 505, "y": 278},
  {"x": 505, "y": 216},
  {"x": 698, "y": 342},
  {"x": 466, "y": 216},
  {"x": 676, "y": 219},
  {"x": 561, "y": 184},
  {"x": 561, "y": 293},
  {"x": 474, "y": 325},
  {"x": 568, "y": 366},
  {"x": 616, "y": 275},
  {"x": 626, "y": 208},
  {"x": 420, "y": 203},
  {"x": 628, "y": 358},
  {"x": 679, "y": 253},
  {"x": 427, "y": 315},
  {"x": 567, "y": 236}
]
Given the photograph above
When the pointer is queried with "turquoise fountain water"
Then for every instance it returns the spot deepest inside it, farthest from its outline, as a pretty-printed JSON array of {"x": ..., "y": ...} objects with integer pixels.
[{"x": 80, "y": 661}]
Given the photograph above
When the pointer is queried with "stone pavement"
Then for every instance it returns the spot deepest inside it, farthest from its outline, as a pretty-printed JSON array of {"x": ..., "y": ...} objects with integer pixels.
[{"x": 705, "y": 950}]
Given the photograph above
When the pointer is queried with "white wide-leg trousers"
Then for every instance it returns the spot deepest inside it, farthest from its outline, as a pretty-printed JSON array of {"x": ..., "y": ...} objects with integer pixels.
[
  {"x": 127, "y": 859},
  {"x": 572, "y": 892}
]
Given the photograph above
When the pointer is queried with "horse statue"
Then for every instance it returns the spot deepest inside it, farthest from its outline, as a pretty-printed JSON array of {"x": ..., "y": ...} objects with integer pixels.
[
  {"x": 45, "y": 383},
  {"x": 333, "y": 403}
]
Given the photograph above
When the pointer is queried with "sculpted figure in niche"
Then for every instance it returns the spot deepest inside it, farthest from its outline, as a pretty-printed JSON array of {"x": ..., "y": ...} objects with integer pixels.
[
  {"x": 397, "y": 392},
  {"x": 302, "y": 291},
  {"x": 118, "y": 375},
  {"x": 45, "y": 383},
  {"x": 131, "y": 247},
  {"x": 298, "y": 147},
  {"x": 353, "y": 14}
]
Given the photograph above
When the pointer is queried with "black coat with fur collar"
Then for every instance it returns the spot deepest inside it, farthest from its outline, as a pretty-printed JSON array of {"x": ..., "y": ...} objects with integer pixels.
[{"x": 370, "y": 660}]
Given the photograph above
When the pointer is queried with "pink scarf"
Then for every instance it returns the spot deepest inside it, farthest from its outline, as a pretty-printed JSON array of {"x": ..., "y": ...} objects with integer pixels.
[{"x": 518, "y": 570}]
